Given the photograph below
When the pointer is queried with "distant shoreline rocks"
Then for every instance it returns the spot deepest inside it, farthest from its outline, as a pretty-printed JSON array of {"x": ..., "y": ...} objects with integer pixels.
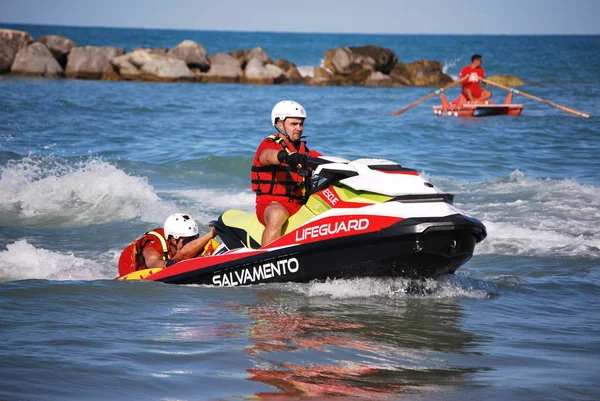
[
  {"x": 11, "y": 42},
  {"x": 506, "y": 80},
  {"x": 58, "y": 56}
]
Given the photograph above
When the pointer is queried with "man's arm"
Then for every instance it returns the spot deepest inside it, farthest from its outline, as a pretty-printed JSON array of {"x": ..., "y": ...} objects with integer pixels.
[
  {"x": 268, "y": 157},
  {"x": 193, "y": 248},
  {"x": 152, "y": 258}
]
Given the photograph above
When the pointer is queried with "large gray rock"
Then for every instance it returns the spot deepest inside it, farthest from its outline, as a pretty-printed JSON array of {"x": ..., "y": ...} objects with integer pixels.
[
  {"x": 123, "y": 66},
  {"x": 506, "y": 80},
  {"x": 257, "y": 72},
  {"x": 145, "y": 65},
  {"x": 160, "y": 66},
  {"x": 322, "y": 77},
  {"x": 400, "y": 75},
  {"x": 292, "y": 75},
  {"x": 341, "y": 61},
  {"x": 192, "y": 53},
  {"x": 223, "y": 68},
  {"x": 91, "y": 62},
  {"x": 241, "y": 55},
  {"x": 36, "y": 59},
  {"x": 347, "y": 60},
  {"x": 427, "y": 73},
  {"x": 378, "y": 79},
  {"x": 260, "y": 54},
  {"x": 358, "y": 77},
  {"x": 59, "y": 46},
  {"x": 11, "y": 42},
  {"x": 284, "y": 64},
  {"x": 154, "y": 50},
  {"x": 276, "y": 73},
  {"x": 245, "y": 55}
]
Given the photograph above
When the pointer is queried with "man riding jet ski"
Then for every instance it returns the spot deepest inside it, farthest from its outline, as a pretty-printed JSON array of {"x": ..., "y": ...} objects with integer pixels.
[
  {"x": 366, "y": 217},
  {"x": 279, "y": 180},
  {"x": 358, "y": 218}
]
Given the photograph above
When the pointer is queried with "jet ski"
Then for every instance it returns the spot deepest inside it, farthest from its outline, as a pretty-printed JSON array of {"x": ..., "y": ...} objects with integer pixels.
[{"x": 362, "y": 218}]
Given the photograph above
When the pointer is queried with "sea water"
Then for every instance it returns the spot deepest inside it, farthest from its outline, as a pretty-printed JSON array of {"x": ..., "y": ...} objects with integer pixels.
[{"x": 87, "y": 166}]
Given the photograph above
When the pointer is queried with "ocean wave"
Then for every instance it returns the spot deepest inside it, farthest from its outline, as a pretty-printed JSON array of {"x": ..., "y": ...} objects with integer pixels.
[
  {"x": 213, "y": 202},
  {"x": 532, "y": 216},
  {"x": 51, "y": 192},
  {"x": 23, "y": 261}
]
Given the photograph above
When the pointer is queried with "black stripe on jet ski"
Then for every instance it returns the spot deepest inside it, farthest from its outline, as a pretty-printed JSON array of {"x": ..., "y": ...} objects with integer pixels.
[
  {"x": 448, "y": 198},
  {"x": 392, "y": 168}
]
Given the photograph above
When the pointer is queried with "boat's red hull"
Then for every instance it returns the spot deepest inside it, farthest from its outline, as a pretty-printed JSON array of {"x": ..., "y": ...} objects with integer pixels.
[
  {"x": 479, "y": 110},
  {"x": 460, "y": 108}
]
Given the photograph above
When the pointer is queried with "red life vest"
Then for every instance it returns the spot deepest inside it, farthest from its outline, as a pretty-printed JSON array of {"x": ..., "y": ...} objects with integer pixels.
[
  {"x": 132, "y": 258},
  {"x": 281, "y": 180}
]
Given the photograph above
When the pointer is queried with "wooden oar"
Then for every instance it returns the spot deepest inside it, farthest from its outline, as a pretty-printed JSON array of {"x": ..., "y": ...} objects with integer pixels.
[
  {"x": 437, "y": 92},
  {"x": 558, "y": 106}
]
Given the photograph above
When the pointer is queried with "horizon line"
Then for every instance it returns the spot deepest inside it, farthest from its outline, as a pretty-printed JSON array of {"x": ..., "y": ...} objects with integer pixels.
[{"x": 297, "y": 32}]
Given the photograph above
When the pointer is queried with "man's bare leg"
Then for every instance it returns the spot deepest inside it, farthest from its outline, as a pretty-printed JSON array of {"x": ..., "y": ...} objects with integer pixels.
[
  {"x": 470, "y": 98},
  {"x": 275, "y": 217},
  {"x": 484, "y": 96}
]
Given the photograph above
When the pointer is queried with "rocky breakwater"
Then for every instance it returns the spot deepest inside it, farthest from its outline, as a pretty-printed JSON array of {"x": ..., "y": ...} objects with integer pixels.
[
  {"x": 58, "y": 56},
  {"x": 10, "y": 43},
  {"x": 375, "y": 66}
]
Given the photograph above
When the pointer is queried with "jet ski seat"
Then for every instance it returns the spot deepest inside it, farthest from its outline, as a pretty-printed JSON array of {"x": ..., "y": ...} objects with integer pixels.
[{"x": 242, "y": 229}]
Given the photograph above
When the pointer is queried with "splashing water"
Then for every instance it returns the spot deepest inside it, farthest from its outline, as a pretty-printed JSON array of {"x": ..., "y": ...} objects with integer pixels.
[
  {"x": 450, "y": 286},
  {"x": 49, "y": 192},
  {"x": 451, "y": 65},
  {"x": 23, "y": 261},
  {"x": 532, "y": 216}
]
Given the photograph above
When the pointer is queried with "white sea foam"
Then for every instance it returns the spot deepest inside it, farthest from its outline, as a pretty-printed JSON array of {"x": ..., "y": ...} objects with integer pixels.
[
  {"x": 451, "y": 64},
  {"x": 23, "y": 261},
  {"x": 210, "y": 203},
  {"x": 532, "y": 216},
  {"x": 45, "y": 191},
  {"x": 457, "y": 286}
]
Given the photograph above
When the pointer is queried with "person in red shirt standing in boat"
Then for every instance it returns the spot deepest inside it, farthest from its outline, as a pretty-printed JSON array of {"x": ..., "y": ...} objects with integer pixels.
[
  {"x": 470, "y": 86},
  {"x": 279, "y": 179}
]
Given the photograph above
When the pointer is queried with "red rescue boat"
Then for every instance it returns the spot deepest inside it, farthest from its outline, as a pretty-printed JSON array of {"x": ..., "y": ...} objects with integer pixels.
[{"x": 459, "y": 107}]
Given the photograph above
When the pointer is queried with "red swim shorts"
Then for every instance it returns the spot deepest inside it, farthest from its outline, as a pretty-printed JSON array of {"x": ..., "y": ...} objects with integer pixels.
[
  {"x": 263, "y": 201},
  {"x": 476, "y": 91}
]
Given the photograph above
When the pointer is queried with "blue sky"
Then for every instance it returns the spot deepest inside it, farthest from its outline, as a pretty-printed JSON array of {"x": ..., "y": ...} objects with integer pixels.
[{"x": 357, "y": 16}]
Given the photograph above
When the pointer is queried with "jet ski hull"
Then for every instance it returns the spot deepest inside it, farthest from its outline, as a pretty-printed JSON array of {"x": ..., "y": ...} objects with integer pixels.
[
  {"x": 363, "y": 218},
  {"x": 412, "y": 248}
]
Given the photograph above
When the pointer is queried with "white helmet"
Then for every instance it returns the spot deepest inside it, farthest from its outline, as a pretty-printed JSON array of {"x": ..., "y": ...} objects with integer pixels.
[
  {"x": 285, "y": 109},
  {"x": 180, "y": 225}
]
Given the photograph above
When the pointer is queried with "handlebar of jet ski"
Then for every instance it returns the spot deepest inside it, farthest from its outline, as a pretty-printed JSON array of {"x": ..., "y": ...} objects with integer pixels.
[{"x": 313, "y": 162}]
